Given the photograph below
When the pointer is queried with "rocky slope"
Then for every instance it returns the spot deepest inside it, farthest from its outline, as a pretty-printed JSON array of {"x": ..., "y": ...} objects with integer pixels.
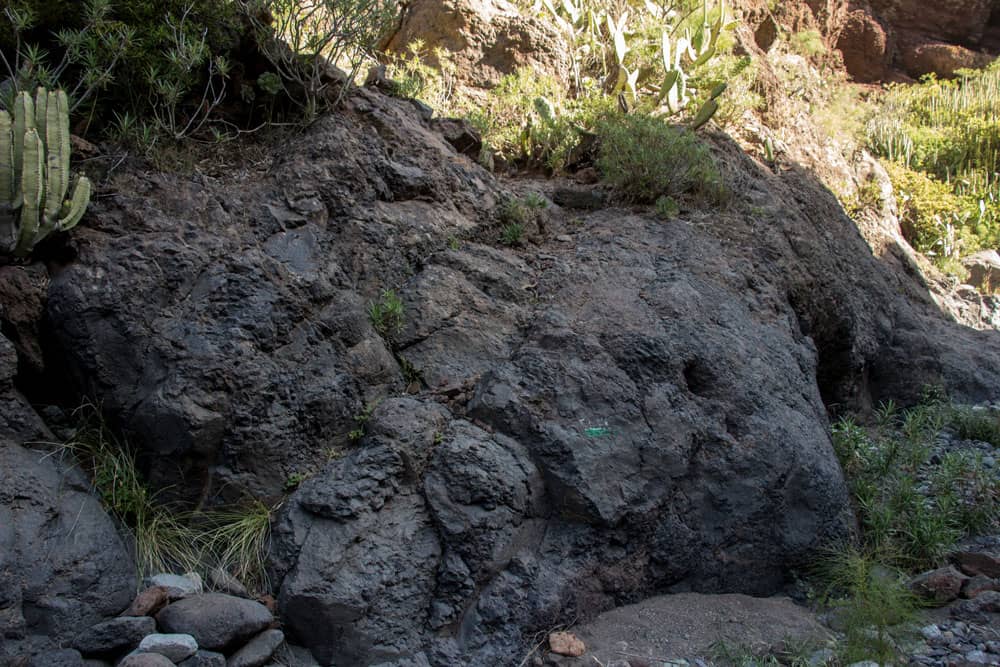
[{"x": 618, "y": 407}]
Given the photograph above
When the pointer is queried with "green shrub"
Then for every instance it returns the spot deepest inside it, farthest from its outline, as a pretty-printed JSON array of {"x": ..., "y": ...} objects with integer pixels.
[
  {"x": 644, "y": 159},
  {"x": 874, "y": 603},
  {"x": 165, "y": 61}
]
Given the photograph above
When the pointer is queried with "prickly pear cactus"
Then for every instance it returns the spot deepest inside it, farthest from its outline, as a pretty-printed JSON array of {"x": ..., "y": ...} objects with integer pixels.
[{"x": 34, "y": 172}]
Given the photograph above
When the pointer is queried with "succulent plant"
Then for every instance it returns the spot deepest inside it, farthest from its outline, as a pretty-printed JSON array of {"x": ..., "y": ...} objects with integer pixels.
[{"x": 34, "y": 172}]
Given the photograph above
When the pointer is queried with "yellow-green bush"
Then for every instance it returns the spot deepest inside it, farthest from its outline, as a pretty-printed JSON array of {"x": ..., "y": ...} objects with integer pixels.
[{"x": 645, "y": 159}]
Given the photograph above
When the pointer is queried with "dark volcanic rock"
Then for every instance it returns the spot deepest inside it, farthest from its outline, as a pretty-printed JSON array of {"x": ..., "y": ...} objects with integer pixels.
[
  {"x": 244, "y": 356},
  {"x": 258, "y": 650},
  {"x": 635, "y": 409},
  {"x": 63, "y": 567},
  {"x": 218, "y": 622},
  {"x": 114, "y": 636}
]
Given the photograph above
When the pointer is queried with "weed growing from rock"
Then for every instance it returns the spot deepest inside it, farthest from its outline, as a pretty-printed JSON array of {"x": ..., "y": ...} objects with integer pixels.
[
  {"x": 387, "y": 314},
  {"x": 512, "y": 234}
]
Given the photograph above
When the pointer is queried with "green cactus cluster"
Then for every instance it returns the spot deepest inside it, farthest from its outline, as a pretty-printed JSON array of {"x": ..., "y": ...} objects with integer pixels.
[{"x": 34, "y": 172}]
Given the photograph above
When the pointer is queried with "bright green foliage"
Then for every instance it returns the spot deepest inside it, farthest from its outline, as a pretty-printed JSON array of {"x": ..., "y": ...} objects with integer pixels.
[
  {"x": 413, "y": 77},
  {"x": 34, "y": 167},
  {"x": 944, "y": 140},
  {"x": 512, "y": 233},
  {"x": 644, "y": 159}
]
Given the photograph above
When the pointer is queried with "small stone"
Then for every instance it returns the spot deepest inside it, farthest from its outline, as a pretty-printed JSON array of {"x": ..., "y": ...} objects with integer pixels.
[
  {"x": 973, "y": 563},
  {"x": 939, "y": 586},
  {"x": 566, "y": 643},
  {"x": 223, "y": 582},
  {"x": 823, "y": 656},
  {"x": 205, "y": 659},
  {"x": 114, "y": 637},
  {"x": 145, "y": 660},
  {"x": 930, "y": 632},
  {"x": 564, "y": 238},
  {"x": 177, "y": 647},
  {"x": 258, "y": 650},
  {"x": 979, "y": 584},
  {"x": 217, "y": 621},
  {"x": 178, "y": 586},
  {"x": 149, "y": 602},
  {"x": 977, "y": 657}
]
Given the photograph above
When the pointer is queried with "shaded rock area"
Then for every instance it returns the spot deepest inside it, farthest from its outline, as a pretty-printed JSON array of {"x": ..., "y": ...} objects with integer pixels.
[{"x": 63, "y": 565}]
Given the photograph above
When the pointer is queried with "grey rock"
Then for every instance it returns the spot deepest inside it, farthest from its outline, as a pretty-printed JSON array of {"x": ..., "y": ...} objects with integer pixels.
[
  {"x": 223, "y": 582},
  {"x": 86, "y": 576},
  {"x": 258, "y": 650},
  {"x": 114, "y": 636},
  {"x": 58, "y": 658},
  {"x": 978, "y": 657},
  {"x": 204, "y": 659},
  {"x": 177, "y": 647},
  {"x": 178, "y": 585},
  {"x": 145, "y": 660},
  {"x": 218, "y": 622},
  {"x": 930, "y": 632}
]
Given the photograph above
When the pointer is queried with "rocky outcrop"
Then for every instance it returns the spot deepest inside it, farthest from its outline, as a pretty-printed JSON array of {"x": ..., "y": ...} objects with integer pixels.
[
  {"x": 63, "y": 566},
  {"x": 484, "y": 39}
]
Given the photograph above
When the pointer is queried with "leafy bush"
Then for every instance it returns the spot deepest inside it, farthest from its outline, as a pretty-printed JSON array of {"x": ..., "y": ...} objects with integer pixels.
[
  {"x": 413, "y": 78},
  {"x": 644, "y": 159}
]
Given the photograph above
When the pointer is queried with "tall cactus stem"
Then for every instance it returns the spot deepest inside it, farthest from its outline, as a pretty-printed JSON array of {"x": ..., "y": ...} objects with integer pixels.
[
  {"x": 57, "y": 157},
  {"x": 24, "y": 120},
  {"x": 7, "y": 172},
  {"x": 31, "y": 188}
]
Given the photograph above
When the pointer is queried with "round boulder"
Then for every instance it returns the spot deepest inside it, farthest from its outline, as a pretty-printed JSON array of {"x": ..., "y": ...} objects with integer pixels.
[{"x": 218, "y": 622}]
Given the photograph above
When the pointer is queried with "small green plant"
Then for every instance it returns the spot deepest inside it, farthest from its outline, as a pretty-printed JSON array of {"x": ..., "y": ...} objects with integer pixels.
[
  {"x": 387, "y": 315},
  {"x": 412, "y": 76},
  {"x": 980, "y": 424},
  {"x": 361, "y": 420},
  {"x": 808, "y": 43},
  {"x": 874, "y": 602},
  {"x": 512, "y": 233},
  {"x": 34, "y": 172},
  {"x": 522, "y": 210},
  {"x": 644, "y": 159},
  {"x": 667, "y": 208},
  {"x": 294, "y": 481}
]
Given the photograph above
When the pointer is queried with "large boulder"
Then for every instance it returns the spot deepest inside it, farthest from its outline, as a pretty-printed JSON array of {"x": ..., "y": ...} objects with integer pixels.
[
  {"x": 63, "y": 566},
  {"x": 484, "y": 39},
  {"x": 865, "y": 47},
  {"x": 958, "y": 21},
  {"x": 622, "y": 408}
]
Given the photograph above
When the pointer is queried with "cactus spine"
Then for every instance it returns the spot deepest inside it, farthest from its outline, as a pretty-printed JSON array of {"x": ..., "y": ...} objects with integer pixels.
[{"x": 34, "y": 172}]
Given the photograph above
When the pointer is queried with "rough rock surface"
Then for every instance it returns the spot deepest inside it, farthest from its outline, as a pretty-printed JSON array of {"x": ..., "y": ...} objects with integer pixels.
[
  {"x": 485, "y": 39},
  {"x": 63, "y": 566},
  {"x": 696, "y": 622},
  {"x": 622, "y": 409},
  {"x": 115, "y": 636}
]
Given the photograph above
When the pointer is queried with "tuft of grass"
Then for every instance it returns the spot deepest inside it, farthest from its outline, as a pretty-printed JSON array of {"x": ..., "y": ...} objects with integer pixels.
[
  {"x": 167, "y": 539},
  {"x": 386, "y": 314},
  {"x": 162, "y": 539},
  {"x": 644, "y": 159},
  {"x": 522, "y": 210},
  {"x": 236, "y": 541},
  {"x": 512, "y": 233}
]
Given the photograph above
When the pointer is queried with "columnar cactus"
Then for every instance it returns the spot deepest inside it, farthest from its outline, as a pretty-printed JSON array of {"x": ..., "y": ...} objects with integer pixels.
[{"x": 34, "y": 172}]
